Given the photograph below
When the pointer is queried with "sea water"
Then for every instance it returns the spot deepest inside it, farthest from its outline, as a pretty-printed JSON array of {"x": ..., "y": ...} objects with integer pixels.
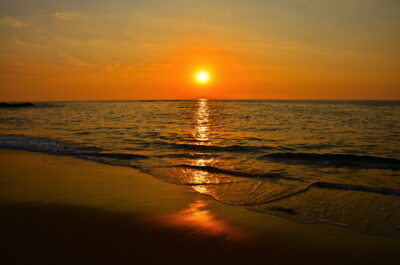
[{"x": 334, "y": 162}]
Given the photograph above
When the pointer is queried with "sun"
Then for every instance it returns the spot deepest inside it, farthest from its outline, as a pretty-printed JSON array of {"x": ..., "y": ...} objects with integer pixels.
[{"x": 202, "y": 77}]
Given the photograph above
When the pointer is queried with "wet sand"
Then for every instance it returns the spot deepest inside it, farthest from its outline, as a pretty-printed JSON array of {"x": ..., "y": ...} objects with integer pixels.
[{"x": 62, "y": 210}]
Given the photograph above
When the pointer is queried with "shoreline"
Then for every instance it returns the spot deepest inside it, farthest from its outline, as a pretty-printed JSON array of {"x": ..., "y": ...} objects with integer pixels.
[{"x": 119, "y": 215}]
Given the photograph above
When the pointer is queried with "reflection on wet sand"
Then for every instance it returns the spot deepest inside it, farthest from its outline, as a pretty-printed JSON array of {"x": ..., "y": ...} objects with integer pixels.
[{"x": 202, "y": 222}]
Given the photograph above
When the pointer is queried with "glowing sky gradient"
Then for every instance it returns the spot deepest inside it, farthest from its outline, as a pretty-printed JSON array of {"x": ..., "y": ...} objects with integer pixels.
[{"x": 127, "y": 49}]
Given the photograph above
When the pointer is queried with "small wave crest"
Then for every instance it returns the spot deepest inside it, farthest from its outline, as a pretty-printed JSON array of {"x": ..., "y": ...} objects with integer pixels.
[
  {"x": 189, "y": 156},
  {"x": 242, "y": 174},
  {"x": 229, "y": 148},
  {"x": 339, "y": 186},
  {"x": 113, "y": 156},
  {"x": 336, "y": 160},
  {"x": 50, "y": 146},
  {"x": 38, "y": 144}
]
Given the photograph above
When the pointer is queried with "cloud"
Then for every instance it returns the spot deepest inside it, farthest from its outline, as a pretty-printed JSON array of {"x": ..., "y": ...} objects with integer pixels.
[
  {"x": 17, "y": 24},
  {"x": 63, "y": 15},
  {"x": 119, "y": 68},
  {"x": 12, "y": 22},
  {"x": 76, "y": 62},
  {"x": 8, "y": 67}
]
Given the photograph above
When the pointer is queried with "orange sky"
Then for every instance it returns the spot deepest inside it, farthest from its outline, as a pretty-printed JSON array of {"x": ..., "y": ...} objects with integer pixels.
[{"x": 98, "y": 50}]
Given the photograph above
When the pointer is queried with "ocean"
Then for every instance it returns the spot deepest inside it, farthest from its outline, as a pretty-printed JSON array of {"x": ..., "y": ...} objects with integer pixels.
[{"x": 335, "y": 162}]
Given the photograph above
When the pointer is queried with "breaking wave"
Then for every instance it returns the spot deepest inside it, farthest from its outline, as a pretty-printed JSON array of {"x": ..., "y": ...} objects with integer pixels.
[{"x": 336, "y": 160}]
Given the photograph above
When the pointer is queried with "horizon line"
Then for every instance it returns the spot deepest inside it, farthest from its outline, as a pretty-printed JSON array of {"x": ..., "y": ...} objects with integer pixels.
[{"x": 194, "y": 99}]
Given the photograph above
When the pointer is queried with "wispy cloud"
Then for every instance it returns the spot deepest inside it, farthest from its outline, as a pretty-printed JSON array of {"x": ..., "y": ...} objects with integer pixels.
[
  {"x": 12, "y": 22},
  {"x": 63, "y": 15},
  {"x": 17, "y": 24},
  {"x": 76, "y": 62},
  {"x": 119, "y": 68}
]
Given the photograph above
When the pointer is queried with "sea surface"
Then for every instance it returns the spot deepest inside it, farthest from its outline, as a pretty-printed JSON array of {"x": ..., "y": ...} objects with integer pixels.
[{"x": 335, "y": 162}]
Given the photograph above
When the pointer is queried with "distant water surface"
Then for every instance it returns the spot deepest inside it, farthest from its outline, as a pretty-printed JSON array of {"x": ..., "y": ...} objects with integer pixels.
[{"x": 332, "y": 162}]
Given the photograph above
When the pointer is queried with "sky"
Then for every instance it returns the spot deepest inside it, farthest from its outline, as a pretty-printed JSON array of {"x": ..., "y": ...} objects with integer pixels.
[{"x": 254, "y": 49}]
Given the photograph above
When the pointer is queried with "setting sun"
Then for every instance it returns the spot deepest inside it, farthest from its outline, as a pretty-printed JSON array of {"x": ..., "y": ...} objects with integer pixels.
[{"x": 202, "y": 77}]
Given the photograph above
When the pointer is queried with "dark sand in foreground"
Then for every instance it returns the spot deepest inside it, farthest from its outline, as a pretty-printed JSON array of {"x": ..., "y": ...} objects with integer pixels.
[{"x": 61, "y": 210}]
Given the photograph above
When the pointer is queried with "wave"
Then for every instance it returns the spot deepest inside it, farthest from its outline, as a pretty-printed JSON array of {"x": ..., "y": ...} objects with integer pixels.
[
  {"x": 336, "y": 186},
  {"x": 363, "y": 209},
  {"x": 336, "y": 160},
  {"x": 189, "y": 156},
  {"x": 230, "y": 148},
  {"x": 211, "y": 169},
  {"x": 201, "y": 147},
  {"x": 40, "y": 144},
  {"x": 339, "y": 186},
  {"x": 50, "y": 146},
  {"x": 112, "y": 156}
]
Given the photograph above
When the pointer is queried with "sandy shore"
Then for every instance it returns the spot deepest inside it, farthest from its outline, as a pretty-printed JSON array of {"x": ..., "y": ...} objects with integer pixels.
[{"x": 61, "y": 210}]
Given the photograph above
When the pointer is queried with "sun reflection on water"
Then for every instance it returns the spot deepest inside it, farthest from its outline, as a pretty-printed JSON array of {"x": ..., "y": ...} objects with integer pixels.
[
  {"x": 202, "y": 119},
  {"x": 201, "y": 135}
]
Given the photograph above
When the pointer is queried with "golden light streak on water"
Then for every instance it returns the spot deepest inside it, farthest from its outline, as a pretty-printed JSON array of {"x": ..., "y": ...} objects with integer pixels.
[{"x": 202, "y": 119}]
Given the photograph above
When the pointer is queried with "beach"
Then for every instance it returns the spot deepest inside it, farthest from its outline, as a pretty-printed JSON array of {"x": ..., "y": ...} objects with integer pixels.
[{"x": 62, "y": 210}]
